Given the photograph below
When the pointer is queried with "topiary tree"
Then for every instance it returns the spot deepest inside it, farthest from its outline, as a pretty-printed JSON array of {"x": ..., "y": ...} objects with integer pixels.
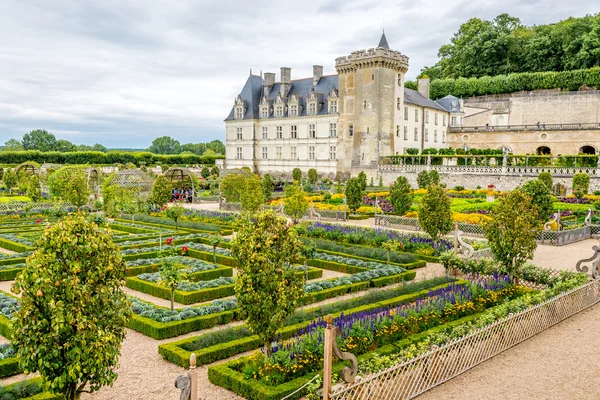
[
  {"x": 512, "y": 230},
  {"x": 296, "y": 174},
  {"x": 214, "y": 171},
  {"x": 162, "y": 191},
  {"x": 10, "y": 179},
  {"x": 581, "y": 184},
  {"x": 434, "y": 177},
  {"x": 1, "y": 173},
  {"x": 74, "y": 313},
  {"x": 362, "y": 178},
  {"x": 251, "y": 196},
  {"x": 266, "y": 249},
  {"x": 34, "y": 189},
  {"x": 205, "y": 172},
  {"x": 171, "y": 274},
  {"x": 313, "y": 177},
  {"x": 400, "y": 195},
  {"x": 267, "y": 187},
  {"x": 540, "y": 197},
  {"x": 70, "y": 184},
  {"x": 546, "y": 177},
  {"x": 175, "y": 212},
  {"x": 353, "y": 194},
  {"x": 435, "y": 216},
  {"x": 423, "y": 179},
  {"x": 295, "y": 204}
]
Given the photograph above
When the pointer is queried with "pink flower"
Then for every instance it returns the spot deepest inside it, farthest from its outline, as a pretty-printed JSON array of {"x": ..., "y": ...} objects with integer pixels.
[
  {"x": 184, "y": 249},
  {"x": 37, "y": 221},
  {"x": 169, "y": 240}
]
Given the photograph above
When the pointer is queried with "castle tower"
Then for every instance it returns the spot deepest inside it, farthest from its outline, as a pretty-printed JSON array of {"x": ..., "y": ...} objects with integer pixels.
[{"x": 371, "y": 89}]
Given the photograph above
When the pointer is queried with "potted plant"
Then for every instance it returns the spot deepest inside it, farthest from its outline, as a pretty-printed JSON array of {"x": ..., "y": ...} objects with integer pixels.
[{"x": 490, "y": 195}]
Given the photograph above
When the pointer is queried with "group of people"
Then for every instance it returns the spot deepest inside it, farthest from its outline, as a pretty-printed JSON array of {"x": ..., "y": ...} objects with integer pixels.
[{"x": 184, "y": 195}]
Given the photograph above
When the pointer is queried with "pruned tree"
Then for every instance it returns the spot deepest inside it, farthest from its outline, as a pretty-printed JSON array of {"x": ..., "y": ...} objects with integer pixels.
[
  {"x": 295, "y": 204},
  {"x": 70, "y": 330},
  {"x": 70, "y": 184},
  {"x": 354, "y": 194},
  {"x": 400, "y": 195},
  {"x": 175, "y": 212},
  {"x": 266, "y": 249},
  {"x": 435, "y": 216},
  {"x": 34, "y": 189},
  {"x": 540, "y": 197},
  {"x": 267, "y": 187},
  {"x": 296, "y": 174},
  {"x": 162, "y": 191},
  {"x": 313, "y": 176}
]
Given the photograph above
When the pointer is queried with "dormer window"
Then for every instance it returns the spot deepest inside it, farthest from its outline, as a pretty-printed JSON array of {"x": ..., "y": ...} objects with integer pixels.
[
  {"x": 293, "y": 112},
  {"x": 279, "y": 111},
  {"x": 333, "y": 107},
  {"x": 239, "y": 107},
  {"x": 264, "y": 112},
  {"x": 239, "y": 113},
  {"x": 312, "y": 108}
]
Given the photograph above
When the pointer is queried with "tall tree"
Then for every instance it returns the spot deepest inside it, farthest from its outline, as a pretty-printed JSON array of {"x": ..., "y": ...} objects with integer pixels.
[
  {"x": 435, "y": 216},
  {"x": 39, "y": 139},
  {"x": 400, "y": 195},
  {"x": 353, "y": 194},
  {"x": 13, "y": 145},
  {"x": 266, "y": 248},
  {"x": 70, "y": 184},
  {"x": 70, "y": 330},
  {"x": 217, "y": 146},
  {"x": 165, "y": 145},
  {"x": 295, "y": 203}
]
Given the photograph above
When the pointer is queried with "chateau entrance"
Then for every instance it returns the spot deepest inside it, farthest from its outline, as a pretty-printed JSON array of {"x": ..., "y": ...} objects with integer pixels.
[{"x": 543, "y": 151}]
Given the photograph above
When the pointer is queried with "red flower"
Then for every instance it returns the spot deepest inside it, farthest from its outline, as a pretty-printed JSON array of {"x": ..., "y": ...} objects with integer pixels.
[
  {"x": 163, "y": 208},
  {"x": 184, "y": 249},
  {"x": 169, "y": 240},
  {"x": 37, "y": 221}
]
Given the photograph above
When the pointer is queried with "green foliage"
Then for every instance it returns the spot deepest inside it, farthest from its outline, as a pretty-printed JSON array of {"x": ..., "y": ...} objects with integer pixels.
[
  {"x": 70, "y": 184},
  {"x": 435, "y": 216},
  {"x": 205, "y": 172},
  {"x": 73, "y": 311},
  {"x": 10, "y": 179},
  {"x": 245, "y": 188},
  {"x": 540, "y": 197},
  {"x": 313, "y": 177},
  {"x": 362, "y": 178},
  {"x": 354, "y": 193},
  {"x": 423, "y": 179},
  {"x": 162, "y": 191},
  {"x": 380, "y": 181},
  {"x": 170, "y": 275},
  {"x": 13, "y": 145},
  {"x": 214, "y": 171},
  {"x": 113, "y": 196},
  {"x": 512, "y": 231},
  {"x": 165, "y": 145},
  {"x": 412, "y": 150},
  {"x": 296, "y": 174},
  {"x": 34, "y": 189},
  {"x": 265, "y": 250},
  {"x": 295, "y": 204},
  {"x": 400, "y": 195},
  {"x": 175, "y": 212},
  {"x": 434, "y": 177},
  {"x": 39, "y": 139},
  {"x": 1, "y": 173},
  {"x": 581, "y": 184},
  {"x": 267, "y": 187},
  {"x": 546, "y": 177}
]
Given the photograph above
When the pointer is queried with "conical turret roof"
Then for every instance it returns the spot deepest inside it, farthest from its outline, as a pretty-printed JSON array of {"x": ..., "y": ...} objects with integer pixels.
[{"x": 383, "y": 42}]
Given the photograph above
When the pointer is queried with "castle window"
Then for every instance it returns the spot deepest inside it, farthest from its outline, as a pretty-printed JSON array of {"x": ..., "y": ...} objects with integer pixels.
[
  {"x": 293, "y": 110},
  {"x": 372, "y": 77},
  {"x": 332, "y": 130},
  {"x": 279, "y": 153},
  {"x": 265, "y": 134},
  {"x": 265, "y": 153},
  {"x": 312, "y": 133},
  {"x": 399, "y": 79},
  {"x": 311, "y": 152},
  {"x": 397, "y": 130},
  {"x": 350, "y": 130},
  {"x": 238, "y": 133},
  {"x": 312, "y": 108},
  {"x": 239, "y": 113},
  {"x": 444, "y": 120},
  {"x": 333, "y": 107},
  {"x": 294, "y": 132},
  {"x": 426, "y": 117},
  {"x": 406, "y": 113},
  {"x": 398, "y": 103},
  {"x": 238, "y": 155},
  {"x": 417, "y": 115},
  {"x": 435, "y": 118},
  {"x": 365, "y": 105},
  {"x": 426, "y": 135},
  {"x": 367, "y": 129},
  {"x": 416, "y": 134},
  {"x": 443, "y": 137},
  {"x": 332, "y": 153},
  {"x": 279, "y": 111},
  {"x": 435, "y": 136},
  {"x": 406, "y": 133},
  {"x": 279, "y": 131},
  {"x": 264, "y": 113},
  {"x": 293, "y": 154}
]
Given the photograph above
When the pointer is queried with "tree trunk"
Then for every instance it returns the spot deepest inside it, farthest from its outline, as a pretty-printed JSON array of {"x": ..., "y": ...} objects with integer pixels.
[
  {"x": 267, "y": 345},
  {"x": 172, "y": 299},
  {"x": 215, "y": 255}
]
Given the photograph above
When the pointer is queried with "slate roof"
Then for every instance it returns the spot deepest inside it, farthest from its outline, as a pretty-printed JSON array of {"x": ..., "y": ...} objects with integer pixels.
[
  {"x": 383, "y": 42},
  {"x": 416, "y": 98},
  {"x": 447, "y": 103}
]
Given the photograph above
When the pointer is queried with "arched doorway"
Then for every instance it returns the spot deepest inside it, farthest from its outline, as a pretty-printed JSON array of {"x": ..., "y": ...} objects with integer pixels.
[
  {"x": 543, "y": 151},
  {"x": 591, "y": 150}
]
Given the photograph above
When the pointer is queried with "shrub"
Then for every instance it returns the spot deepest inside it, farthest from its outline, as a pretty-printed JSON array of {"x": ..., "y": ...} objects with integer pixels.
[
  {"x": 400, "y": 195},
  {"x": 353, "y": 194},
  {"x": 70, "y": 184},
  {"x": 34, "y": 189},
  {"x": 540, "y": 197},
  {"x": 546, "y": 177},
  {"x": 295, "y": 203},
  {"x": 434, "y": 177},
  {"x": 362, "y": 178},
  {"x": 296, "y": 174},
  {"x": 267, "y": 187},
  {"x": 435, "y": 216},
  {"x": 313, "y": 177},
  {"x": 423, "y": 179},
  {"x": 581, "y": 184},
  {"x": 161, "y": 191}
]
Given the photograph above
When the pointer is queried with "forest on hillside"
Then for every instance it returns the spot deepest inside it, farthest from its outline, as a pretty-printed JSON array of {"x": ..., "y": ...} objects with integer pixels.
[{"x": 504, "y": 45}]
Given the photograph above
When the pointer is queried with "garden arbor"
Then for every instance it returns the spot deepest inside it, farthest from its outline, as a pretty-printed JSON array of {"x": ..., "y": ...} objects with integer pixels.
[
  {"x": 28, "y": 169},
  {"x": 135, "y": 180},
  {"x": 93, "y": 180},
  {"x": 181, "y": 178}
]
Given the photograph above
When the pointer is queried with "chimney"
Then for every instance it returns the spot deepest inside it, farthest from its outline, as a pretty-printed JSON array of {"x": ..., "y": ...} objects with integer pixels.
[
  {"x": 317, "y": 74},
  {"x": 424, "y": 86},
  {"x": 269, "y": 82},
  {"x": 286, "y": 81}
]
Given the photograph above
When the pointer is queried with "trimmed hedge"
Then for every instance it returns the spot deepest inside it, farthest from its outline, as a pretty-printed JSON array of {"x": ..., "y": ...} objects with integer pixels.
[
  {"x": 27, "y": 386},
  {"x": 177, "y": 354},
  {"x": 14, "y": 246},
  {"x": 98, "y": 157},
  {"x": 9, "y": 274},
  {"x": 16, "y": 260},
  {"x": 162, "y": 222},
  {"x": 5, "y": 326},
  {"x": 129, "y": 229},
  {"x": 181, "y": 297},
  {"x": 9, "y": 367}
]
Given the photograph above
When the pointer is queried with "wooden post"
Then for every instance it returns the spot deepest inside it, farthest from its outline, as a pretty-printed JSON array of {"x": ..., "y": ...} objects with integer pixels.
[
  {"x": 193, "y": 374},
  {"x": 328, "y": 357}
]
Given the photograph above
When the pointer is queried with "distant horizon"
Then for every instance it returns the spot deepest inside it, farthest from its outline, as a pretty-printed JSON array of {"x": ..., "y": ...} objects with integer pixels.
[{"x": 125, "y": 75}]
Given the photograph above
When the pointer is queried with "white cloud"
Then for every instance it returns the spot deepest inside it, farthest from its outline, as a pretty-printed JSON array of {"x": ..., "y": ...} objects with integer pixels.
[{"x": 122, "y": 72}]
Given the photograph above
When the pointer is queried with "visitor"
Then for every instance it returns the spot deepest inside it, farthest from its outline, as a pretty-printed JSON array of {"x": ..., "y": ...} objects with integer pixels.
[
  {"x": 175, "y": 195},
  {"x": 538, "y": 125}
]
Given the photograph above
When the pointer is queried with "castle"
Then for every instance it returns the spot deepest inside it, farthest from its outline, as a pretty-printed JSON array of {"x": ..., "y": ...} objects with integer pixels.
[{"x": 348, "y": 122}]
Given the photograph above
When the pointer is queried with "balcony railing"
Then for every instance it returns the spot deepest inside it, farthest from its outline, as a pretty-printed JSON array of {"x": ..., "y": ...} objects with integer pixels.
[{"x": 521, "y": 128}]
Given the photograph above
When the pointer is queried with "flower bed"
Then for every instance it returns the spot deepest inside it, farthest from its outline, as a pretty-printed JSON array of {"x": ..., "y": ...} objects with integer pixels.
[
  {"x": 224, "y": 288},
  {"x": 198, "y": 270},
  {"x": 355, "y": 278}
]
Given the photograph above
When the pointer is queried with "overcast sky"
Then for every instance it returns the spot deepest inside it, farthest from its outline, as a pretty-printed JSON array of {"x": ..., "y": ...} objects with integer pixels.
[{"x": 123, "y": 72}]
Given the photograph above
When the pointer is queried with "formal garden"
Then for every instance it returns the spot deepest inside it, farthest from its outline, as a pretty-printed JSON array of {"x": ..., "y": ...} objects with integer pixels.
[{"x": 87, "y": 260}]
